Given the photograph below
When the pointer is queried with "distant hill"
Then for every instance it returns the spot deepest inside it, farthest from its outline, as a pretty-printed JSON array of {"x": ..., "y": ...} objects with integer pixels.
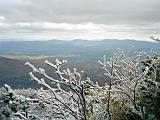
[{"x": 81, "y": 48}]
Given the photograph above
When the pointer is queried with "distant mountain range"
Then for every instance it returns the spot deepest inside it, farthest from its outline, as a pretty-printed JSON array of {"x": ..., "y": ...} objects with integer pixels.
[
  {"x": 81, "y": 54},
  {"x": 81, "y": 48}
]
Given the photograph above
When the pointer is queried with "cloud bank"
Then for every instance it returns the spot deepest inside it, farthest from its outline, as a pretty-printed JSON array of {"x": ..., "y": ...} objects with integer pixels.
[{"x": 90, "y": 19}]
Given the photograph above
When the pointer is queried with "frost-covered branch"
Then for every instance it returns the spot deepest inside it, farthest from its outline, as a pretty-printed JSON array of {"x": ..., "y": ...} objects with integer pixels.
[
  {"x": 125, "y": 73},
  {"x": 68, "y": 90}
]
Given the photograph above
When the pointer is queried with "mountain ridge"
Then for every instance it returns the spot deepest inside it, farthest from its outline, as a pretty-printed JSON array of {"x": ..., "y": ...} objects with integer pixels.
[{"x": 75, "y": 47}]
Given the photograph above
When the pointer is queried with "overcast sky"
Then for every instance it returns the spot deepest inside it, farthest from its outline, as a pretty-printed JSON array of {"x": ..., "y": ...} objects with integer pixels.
[{"x": 83, "y": 19}]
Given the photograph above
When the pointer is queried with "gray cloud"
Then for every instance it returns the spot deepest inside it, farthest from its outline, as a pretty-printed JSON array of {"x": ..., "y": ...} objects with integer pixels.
[
  {"x": 125, "y": 16},
  {"x": 76, "y": 11}
]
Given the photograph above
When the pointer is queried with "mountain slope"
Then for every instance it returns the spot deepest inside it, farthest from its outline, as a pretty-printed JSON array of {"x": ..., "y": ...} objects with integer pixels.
[{"x": 13, "y": 72}]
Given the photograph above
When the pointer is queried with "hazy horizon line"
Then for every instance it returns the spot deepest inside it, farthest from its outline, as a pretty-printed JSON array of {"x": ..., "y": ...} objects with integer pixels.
[{"x": 72, "y": 39}]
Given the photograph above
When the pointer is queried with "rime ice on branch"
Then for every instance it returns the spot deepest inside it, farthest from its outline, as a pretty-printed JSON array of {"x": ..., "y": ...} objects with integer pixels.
[
  {"x": 125, "y": 74},
  {"x": 70, "y": 102}
]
